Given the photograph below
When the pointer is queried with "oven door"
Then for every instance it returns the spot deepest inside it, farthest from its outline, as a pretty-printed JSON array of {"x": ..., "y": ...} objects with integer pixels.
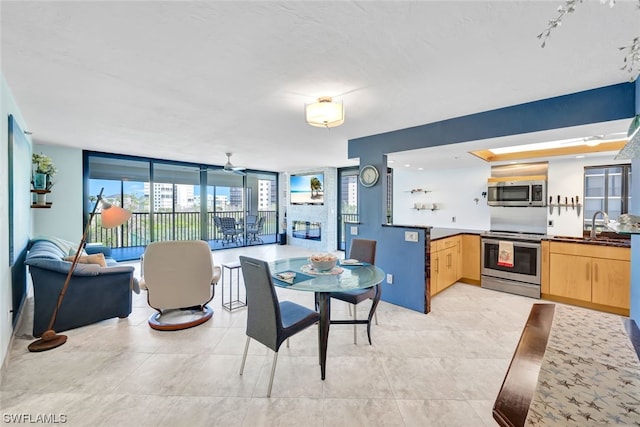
[{"x": 526, "y": 261}]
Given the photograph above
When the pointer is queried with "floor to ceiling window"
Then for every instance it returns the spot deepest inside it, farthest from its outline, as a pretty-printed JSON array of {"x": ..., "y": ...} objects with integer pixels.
[
  {"x": 124, "y": 183},
  {"x": 178, "y": 201},
  {"x": 175, "y": 213}
]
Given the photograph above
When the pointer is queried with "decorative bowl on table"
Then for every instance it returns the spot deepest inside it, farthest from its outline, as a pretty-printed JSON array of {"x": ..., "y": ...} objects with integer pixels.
[{"x": 323, "y": 262}]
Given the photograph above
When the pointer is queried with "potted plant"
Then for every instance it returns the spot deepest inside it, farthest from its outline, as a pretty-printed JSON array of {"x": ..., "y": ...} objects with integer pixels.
[{"x": 43, "y": 171}]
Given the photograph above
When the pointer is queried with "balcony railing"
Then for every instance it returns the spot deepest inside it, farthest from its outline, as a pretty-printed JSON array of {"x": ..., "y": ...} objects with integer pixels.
[
  {"x": 345, "y": 218},
  {"x": 168, "y": 226}
]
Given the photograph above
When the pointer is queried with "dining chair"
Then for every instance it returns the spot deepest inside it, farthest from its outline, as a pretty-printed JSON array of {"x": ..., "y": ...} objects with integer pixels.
[
  {"x": 363, "y": 250},
  {"x": 270, "y": 321}
]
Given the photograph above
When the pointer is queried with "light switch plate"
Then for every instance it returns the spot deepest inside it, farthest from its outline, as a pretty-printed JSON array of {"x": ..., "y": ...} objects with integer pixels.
[
  {"x": 411, "y": 236},
  {"x": 354, "y": 230}
]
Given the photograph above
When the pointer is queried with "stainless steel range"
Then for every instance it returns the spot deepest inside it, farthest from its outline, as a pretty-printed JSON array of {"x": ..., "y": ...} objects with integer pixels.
[{"x": 519, "y": 271}]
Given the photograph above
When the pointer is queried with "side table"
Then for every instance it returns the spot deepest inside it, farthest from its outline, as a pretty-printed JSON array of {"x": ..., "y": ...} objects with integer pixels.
[{"x": 232, "y": 303}]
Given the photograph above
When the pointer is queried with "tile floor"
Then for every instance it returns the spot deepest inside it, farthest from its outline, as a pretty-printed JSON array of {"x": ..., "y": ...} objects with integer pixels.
[{"x": 441, "y": 369}]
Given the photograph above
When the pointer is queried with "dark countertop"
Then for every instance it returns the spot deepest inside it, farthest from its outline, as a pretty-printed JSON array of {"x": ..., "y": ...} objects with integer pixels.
[
  {"x": 600, "y": 241},
  {"x": 604, "y": 239},
  {"x": 422, "y": 227},
  {"x": 442, "y": 233}
]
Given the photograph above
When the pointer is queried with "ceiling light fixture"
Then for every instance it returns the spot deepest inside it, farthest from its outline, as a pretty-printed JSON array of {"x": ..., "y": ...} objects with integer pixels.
[
  {"x": 325, "y": 113},
  {"x": 590, "y": 141}
]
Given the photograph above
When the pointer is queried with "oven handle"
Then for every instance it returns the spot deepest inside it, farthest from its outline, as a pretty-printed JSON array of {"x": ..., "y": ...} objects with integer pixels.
[{"x": 515, "y": 243}]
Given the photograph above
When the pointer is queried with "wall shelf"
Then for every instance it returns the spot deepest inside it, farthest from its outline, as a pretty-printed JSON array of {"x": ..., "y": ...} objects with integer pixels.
[
  {"x": 418, "y": 190},
  {"x": 41, "y": 194},
  {"x": 47, "y": 206}
]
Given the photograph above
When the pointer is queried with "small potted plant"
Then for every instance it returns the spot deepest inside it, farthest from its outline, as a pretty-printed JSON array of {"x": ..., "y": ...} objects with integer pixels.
[{"x": 43, "y": 171}]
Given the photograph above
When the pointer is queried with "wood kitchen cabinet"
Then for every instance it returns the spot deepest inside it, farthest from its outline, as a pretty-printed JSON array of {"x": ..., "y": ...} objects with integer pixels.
[
  {"x": 570, "y": 276},
  {"x": 445, "y": 263},
  {"x": 470, "y": 259},
  {"x": 597, "y": 275}
]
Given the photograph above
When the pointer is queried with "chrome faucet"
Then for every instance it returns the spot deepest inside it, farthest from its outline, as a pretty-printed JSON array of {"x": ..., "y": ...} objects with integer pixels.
[{"x": 605, "y": 217}]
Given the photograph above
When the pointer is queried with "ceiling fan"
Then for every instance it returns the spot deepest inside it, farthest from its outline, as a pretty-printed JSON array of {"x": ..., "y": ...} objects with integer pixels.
[{"x": 228, "y": 167}]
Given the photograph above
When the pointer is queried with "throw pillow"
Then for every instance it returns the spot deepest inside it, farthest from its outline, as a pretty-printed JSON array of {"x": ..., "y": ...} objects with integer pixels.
[{"x": 90, "y": 259}]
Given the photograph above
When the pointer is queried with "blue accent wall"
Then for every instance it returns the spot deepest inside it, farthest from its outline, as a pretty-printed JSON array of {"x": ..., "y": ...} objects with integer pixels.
[
  {"x": 608, "y": 103},
  {"x": 405, "y": 290}
]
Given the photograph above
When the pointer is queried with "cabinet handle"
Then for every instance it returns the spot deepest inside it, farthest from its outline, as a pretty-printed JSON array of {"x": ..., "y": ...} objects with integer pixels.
[
  {"x": 588, "y": 271},
  {"x": 595, "y": 277},
  {"x": 437, "y": 265}
]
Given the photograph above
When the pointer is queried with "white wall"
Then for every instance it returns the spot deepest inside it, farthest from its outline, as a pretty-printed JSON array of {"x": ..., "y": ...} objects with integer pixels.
[
  {"x": 64, "y": 219},
  {"x": 325, "y": 214},
  {"x": 7, "y": 106},
  {"x": 454, "y": 191},
  {"x": 566, "y": 178}
]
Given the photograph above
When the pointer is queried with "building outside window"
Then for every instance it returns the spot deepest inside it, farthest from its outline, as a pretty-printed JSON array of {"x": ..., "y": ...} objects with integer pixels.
[{"x": 607, "y": 189}]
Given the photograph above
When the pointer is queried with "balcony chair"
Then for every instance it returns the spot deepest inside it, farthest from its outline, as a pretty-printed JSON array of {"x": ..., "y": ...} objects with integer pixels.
[
  {"x": 251, "y": 220},
  {"x": 218, "y": 224},
  {"x": 363, "y": 250},
  {"x": 179, "y": 276},
  {"x": 269, "y": 321},
  {"x": 230, "y": 233},
  {"x": 254, "y": 233}
]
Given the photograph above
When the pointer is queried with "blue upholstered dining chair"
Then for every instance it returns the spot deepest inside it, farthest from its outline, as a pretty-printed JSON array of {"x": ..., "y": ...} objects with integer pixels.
[
  {"x": 363, "y": 250},
  {"x": 270, "y": 321}
]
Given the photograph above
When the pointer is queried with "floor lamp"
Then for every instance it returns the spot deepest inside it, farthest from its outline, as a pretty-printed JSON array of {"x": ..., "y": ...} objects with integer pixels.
[{"x": 112, "y": 216}]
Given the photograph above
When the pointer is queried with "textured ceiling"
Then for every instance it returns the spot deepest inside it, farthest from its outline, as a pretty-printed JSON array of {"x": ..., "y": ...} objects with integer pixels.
[{"x": 192, "y": 80}]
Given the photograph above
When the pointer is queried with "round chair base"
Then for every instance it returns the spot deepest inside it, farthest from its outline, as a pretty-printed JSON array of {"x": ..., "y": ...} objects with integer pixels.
[{"x": 161, "y": 321}]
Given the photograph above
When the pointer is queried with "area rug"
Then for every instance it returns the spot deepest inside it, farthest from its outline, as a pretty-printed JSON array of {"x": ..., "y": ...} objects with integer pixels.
[{"x": 590, "y": 373}]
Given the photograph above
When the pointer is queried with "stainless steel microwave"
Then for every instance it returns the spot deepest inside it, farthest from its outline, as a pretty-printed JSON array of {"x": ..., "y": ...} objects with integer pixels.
[{"x": 517, "y": 193}]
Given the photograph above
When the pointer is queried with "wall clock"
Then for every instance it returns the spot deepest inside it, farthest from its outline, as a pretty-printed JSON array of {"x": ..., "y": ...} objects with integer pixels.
[{"x": 369, "y": 176}]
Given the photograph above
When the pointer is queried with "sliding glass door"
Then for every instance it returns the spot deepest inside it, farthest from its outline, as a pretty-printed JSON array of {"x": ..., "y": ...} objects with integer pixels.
[{"x": 347, "y": 202}]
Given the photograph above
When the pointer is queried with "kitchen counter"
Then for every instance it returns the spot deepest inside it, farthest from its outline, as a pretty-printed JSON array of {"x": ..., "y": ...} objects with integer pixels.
[
  {"x": 603, "y": 239},
  {"x": 442, "y": 233},
  {"x": 618, "y": 242}
]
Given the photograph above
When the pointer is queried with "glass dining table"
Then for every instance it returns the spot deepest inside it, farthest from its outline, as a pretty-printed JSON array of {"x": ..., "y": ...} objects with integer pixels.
[{"x": 342, "y": 278}]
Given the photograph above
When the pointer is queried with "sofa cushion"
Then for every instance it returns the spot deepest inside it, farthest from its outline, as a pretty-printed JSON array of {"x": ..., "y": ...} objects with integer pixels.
[{"x": 66, "y": 247}]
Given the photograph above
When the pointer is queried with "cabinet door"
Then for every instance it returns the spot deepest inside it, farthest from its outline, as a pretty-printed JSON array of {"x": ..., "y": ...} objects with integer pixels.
[
  {"x": 570, "y": 276},
  {"x": 470, "y": 257},
  {"x": 457, "y": 258},
  {"x": 448, "y": 275},
  {"x": 435, "y": 272},
  {"x": 611, "y": 284}
]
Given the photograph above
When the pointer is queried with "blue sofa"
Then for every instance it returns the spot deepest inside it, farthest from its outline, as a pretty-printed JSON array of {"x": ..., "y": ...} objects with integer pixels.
[{"x": 95, "y": 293}]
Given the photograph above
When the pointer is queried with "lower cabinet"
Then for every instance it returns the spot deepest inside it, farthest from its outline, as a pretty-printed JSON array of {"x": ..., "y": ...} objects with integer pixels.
[
  {"x": 445, "y": 263},
  {"x": 590, "y": 273},
  {"x": 469, "y": 263}
]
